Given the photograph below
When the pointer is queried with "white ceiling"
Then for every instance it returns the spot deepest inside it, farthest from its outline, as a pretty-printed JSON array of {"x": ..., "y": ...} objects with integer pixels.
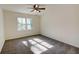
[{"x": 22, "y": 8}]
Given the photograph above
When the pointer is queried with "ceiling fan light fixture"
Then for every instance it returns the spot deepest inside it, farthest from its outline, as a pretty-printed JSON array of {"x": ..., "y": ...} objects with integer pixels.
[{"x": 37, "y": 11}]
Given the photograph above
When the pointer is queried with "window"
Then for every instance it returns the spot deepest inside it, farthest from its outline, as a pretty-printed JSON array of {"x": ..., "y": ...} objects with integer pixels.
[
  {"x": 29, "y": 23},
  {"x": 21, "y": 23}
]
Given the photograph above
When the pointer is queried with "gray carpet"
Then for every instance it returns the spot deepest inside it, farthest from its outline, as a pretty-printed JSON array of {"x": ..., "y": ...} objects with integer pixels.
[{"x": 37, "y": 44}]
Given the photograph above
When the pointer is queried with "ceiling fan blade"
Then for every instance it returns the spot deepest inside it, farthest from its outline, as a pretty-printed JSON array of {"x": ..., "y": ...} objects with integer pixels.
[
  {"x": 41, "y": 8},
  {"x": 32, "y": 10},
  {"x": 29, "y": 8}
]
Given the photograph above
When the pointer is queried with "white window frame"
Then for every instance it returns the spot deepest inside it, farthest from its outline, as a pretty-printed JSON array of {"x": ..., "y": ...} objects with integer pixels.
[
  {"x": 29, "y": 23},
  {"x": 21, "y": 26}
]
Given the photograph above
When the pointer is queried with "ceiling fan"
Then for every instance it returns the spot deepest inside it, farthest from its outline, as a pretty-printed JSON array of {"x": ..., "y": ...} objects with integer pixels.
[{"x": 37, "y": 8}]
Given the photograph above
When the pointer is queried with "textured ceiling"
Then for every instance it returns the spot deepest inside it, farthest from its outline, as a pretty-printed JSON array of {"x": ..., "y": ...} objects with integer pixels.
[{"x": 22, "y": 8}]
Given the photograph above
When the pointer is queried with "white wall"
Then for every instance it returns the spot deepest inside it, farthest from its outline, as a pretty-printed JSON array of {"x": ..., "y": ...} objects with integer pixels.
[
  {"x": 61, "y": 22},
  {"x": 11, "y": 25},
  {"x": 2, "y": 38}
]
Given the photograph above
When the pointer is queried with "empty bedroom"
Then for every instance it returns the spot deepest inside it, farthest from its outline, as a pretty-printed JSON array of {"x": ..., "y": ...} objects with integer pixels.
[{"x": 39, "y": 29}]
